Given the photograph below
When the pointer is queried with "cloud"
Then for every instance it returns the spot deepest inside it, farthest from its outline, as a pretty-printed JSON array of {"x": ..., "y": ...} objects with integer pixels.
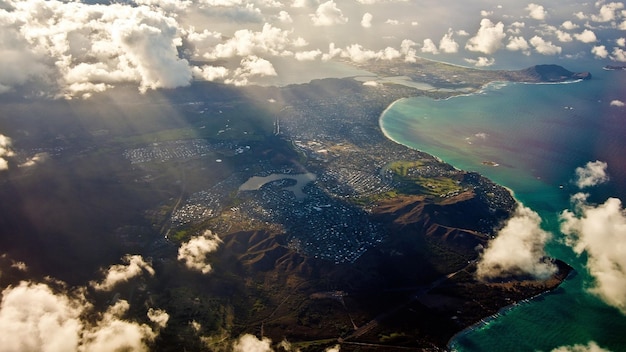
[
  {"x": 518, "y": 44},
  {"x": 134, "y": 266},
  {"x": 5, "y": 151},
  {"x": 308, "y": 55},
  {"x": 429, "y": 47},
  {"x": 544, "y": 47},
  {"x": 447, "y": 43},
  {"x": 621, "y": 42},
  {"x": 481, "y": 61},
  {"x": 34, "y": 317},
  {"x": 536, "y": 12},
  {"x": 244, "y": 42},
  {"x": 518, "y": 249},
  {"x": 586, "y": 36},
  {"x": 357, "y": 53},
  {"x": 617, "y": 103},
  {"x": 592, "y": 174},
  {"x": 488, "y": 39},
  {"x": 597, "y": 230},
  {"x": 210, "y": 73},
  {"x": 407, "y": 49},
  {"x": 569, "y": 25},
  {"x": 283, "y": 16},
  {"x": 592, "y": 346},
  {"x": 607, "y": 12},
  {"x": 600, "y": 51},
  {"x": 249, "y": 343},
  {"x": 159, "y": 317},
  {"x": 618, "y": 54},
  {"x": 194, "y": 252},
  {"x": 565, "y": 37},
  {"x": 366, "y": 21},
  {"x": 328, "y": 14}
]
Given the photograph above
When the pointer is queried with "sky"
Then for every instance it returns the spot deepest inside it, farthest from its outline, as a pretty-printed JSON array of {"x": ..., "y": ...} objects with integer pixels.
[
  {"x": 72, "y": 49},
  {"x": 75, "y": 49}
]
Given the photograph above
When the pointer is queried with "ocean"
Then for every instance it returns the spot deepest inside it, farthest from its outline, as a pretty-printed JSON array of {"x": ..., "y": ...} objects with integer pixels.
[{"x": 531, "y": 138}]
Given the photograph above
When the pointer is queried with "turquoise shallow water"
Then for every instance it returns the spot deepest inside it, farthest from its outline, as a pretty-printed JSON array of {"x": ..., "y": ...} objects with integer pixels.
[{"x": 538, "y": 135}]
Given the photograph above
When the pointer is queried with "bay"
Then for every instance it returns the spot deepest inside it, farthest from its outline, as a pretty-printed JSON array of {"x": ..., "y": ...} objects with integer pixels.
[{"x": 531, "y": 138}]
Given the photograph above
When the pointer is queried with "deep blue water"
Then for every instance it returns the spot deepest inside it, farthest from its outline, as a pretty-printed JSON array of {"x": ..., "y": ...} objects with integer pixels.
[{"x": 538, "y": 135}]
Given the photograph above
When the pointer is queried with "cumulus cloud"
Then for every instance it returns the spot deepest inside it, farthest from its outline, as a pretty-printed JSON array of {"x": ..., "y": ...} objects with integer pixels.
[
  {"x": 544, "y": 47},
  {"x": 617, "y": 103},
  {"x": 134, "y": 266},
  {"x": 607, "y": 12},
  {"x": 249, "y": 343},
  {"x": 518, "y": 249},
  {"x": 618, "y": 54},
  {"x": 244, "y": 42},
  {"x": 357, "y": 53},
  {"x": 569, "y": 25},
  {"x": 5, "y": 151},
  {"x": 536, "y": 12},
  {"x": 366, "y": 21},
  {"x": 597, "y": 230},
  {"x": 447, "y": 43},
  {"x": 586, "y": 36},
  {"x": 407, "y": 49},
  {"x": 158, "y": 316},
  {"x": 600, "y": 51},
  {"x": 621, "y": 42},
  {"x": 34, "y": 317},
  {"x": 518, "y": 44},
  {"x": 194, "y": 252},
  {"x": 482, "y": 61},
  {"x": 210, "y": 73},
  {"x": 308, "y": 55},
  {"x": 592, "y": 174},
  {"x": 488, "y": 39},
  {"x": 429, "y": 47},
  {"x": 592, "y": 346},
  {"x": 328, "y": 14},
  {"x": 285, "y": 17}
]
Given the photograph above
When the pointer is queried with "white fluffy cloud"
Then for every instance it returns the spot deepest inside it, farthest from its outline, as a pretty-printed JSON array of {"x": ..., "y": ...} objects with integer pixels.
[
  {"x": 249, "y": 343},
  {"x": 134, "y": 266},
  {"x": 194, "y": 252},
  {"x": 598, "y": 231},
  {"x": 5, "y": 151},
  {"x": 517, "y": 249},
  {"x": 536, "y": 12},
  {"x": 544, "y": 47},
  {"x": 482, "y": 61},
  {"x": 592, "y": 346},
  {"x": 592, "y": 174},
  {"x": 607, "y": 12},
  {"x": 328, "y": 14},
  {"x": 518, "y": 44},
  {"x": 600, "y": 51},
  {"x": 447, "y": 44},
  {"x": 618, "y": 54},
  {"x": 586, "y": 36},
  {"x": 366, "y": 21},
  {"x": 617, "y": 103},
  {"x": 244, "y": 42},
  {"x": 488, "y": 39},
  {"x": 357, "y": 53},
  {"x": 158, "y": 316},
  {"x": 569, "y": 25},
  {"x": 429, "y": 47},
  {"x": 33, "y": 317}
]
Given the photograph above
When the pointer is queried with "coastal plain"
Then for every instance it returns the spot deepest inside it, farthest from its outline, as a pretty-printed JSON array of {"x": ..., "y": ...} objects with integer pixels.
[{"x": 348, "y": 238}]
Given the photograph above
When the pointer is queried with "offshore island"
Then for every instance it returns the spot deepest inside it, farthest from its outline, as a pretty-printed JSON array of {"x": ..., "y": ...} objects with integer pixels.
[{"x": 330, "y": 234}]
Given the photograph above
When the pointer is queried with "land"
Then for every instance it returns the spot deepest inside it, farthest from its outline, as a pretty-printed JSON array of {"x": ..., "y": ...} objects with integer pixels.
[{"x": 378, "y": 254}]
